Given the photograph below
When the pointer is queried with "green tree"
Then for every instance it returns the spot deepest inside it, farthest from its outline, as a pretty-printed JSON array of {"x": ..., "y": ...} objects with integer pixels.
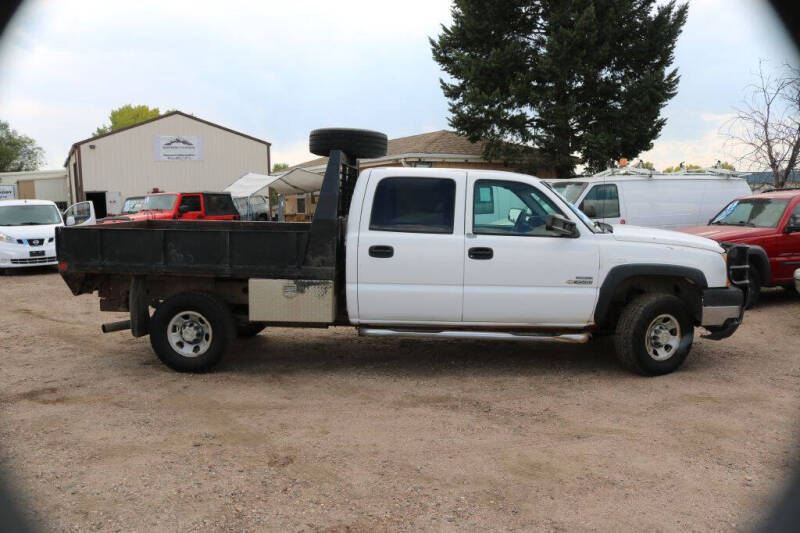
[
  {"x": 277, "y": 167},
  {"x": 18, "y": 152},
  {"x": 127, "y": 115},
  {"x": 645, "y": 164},
  {"x": 678, "y": 168},
  {"x": 586, "y": 77}
]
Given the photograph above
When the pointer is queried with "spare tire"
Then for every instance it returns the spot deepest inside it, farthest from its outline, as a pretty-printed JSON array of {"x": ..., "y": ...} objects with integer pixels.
[{"x": 357, "y": 143}]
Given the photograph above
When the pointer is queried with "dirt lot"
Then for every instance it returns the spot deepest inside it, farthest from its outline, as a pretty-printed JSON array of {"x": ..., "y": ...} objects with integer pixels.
[{"x": 323, "y": 430}]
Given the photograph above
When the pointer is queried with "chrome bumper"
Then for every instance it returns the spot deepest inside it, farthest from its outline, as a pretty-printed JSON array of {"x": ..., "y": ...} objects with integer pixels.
[
  {"x": 723, "y": 310},
  {"x": 721, "y": 305},
  {"x": 718, "y": 314}
]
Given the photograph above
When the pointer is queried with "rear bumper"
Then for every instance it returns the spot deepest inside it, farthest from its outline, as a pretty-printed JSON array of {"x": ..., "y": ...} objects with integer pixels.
[{"x": 723, "y": 309}]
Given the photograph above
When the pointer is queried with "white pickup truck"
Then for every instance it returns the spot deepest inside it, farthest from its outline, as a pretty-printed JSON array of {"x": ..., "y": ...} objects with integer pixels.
[{"x": 416, "y": 252}]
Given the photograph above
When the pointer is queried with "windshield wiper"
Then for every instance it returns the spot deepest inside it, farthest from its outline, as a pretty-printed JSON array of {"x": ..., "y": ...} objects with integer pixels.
[{"x": 32, "y": 224}]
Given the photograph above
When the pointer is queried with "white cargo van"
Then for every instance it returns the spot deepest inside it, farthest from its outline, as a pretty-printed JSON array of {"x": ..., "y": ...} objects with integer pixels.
[{"x": 645, "y": 198}]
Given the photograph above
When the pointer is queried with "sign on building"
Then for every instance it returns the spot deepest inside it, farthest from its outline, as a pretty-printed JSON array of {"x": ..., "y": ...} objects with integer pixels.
[
  {"x": 177, "y": 148},
  {"x": 8, "y": 192}
]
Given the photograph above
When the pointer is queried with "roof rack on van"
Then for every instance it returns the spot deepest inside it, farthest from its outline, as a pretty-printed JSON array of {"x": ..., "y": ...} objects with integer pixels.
[{"x": 640, "y": 171}]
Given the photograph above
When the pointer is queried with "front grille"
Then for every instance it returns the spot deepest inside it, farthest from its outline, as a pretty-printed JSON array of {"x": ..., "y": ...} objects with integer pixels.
[
  {"x": 34, "y": 242},
  {"x": 33, "y": 260}
]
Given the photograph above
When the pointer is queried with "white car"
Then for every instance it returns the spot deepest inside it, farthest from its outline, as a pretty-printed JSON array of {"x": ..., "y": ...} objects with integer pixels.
[
  {"x": 797, "y": 280},
  {"x": 27, "y": 233},
  {"x": 651, "y": 199},
  {"x": 28, "y": 230}
]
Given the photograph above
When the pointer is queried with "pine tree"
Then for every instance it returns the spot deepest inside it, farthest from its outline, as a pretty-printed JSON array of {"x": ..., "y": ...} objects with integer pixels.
[{"x": 585, "y": 77}]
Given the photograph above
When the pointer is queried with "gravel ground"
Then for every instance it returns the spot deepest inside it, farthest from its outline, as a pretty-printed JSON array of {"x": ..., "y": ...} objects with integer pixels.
[{"x": 311, "y": 430}]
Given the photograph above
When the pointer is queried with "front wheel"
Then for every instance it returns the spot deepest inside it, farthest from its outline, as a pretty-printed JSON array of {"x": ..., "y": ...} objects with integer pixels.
[
  {"x": 190, "y": 332},
  {"x": 654, "y": 334}
]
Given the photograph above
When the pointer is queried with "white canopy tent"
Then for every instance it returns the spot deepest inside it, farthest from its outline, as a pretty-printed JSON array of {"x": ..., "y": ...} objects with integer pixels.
[{"x": 295, "y": 181}]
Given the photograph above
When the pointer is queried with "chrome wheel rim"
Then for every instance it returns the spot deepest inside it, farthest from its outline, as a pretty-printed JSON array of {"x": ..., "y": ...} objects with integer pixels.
[
  {"x": 189, "y": 334},
  {"x": 663, "y": 337}
]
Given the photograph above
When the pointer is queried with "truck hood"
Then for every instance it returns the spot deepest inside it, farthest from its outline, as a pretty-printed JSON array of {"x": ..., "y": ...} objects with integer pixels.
[
  {"x": 627, "y": 233},
  {"x": 43, "y": 231},
  {"x": 727, "y": 233}
]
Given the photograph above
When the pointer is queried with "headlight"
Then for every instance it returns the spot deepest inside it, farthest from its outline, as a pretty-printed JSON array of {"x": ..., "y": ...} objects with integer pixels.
[{"x": 7, "y": 238}]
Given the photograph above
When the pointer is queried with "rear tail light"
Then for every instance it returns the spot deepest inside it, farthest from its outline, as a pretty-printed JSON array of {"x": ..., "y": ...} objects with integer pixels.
[{"x": 62, "y": 266}]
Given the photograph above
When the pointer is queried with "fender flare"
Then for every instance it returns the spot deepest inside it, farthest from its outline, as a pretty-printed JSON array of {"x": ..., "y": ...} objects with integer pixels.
[{"x": 621, "y": 273}]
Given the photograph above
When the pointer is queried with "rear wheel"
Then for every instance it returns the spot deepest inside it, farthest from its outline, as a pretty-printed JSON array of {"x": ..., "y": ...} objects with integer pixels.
[
  {"x": 358, "y": 143},
  {"x": 190, "y": 332},
  {"x": 654, "y": 334}
]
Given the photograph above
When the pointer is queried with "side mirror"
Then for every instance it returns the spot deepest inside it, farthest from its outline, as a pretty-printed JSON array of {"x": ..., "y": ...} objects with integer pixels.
[
  {"x": 513, "y": 214},
  {"x": 184, "y": 209},
  {"x": 70, "y": 221},
  {"x": 561, "y": 225}
]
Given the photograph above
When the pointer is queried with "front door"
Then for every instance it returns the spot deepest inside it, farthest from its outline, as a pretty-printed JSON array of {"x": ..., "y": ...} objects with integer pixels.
[
  {"x": 516, "y": 272},
  {"x": 601, "y": 203},
  {"x": 80, "y": 214},
  {"x": 191, "y": 206},
  {"x": 411, "y": 248},
  {"x": 786, "y": 246}
]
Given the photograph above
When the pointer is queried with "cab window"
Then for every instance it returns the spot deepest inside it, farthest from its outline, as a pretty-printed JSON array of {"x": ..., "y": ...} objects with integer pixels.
[
  {"x": 414, "y": 205},
  {"x": 192, "y": 203},
  {"x": 602, "y": 201},
  {"x": 510, "y": 208}
]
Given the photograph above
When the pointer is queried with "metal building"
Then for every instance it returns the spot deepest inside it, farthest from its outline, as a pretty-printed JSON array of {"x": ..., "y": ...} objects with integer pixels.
[
  {"x": 35, "y": 184},
  {"x": 173, "y": 152}
]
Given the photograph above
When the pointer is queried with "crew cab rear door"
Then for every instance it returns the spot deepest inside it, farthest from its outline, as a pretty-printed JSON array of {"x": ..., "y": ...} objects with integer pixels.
[
  {"x": 516, "y": 272},
  {"x": 411, "y": 248}
]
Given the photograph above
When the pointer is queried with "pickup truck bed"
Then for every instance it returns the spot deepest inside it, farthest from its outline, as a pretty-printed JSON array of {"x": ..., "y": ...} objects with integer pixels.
[{"x": 218, "y": 249}]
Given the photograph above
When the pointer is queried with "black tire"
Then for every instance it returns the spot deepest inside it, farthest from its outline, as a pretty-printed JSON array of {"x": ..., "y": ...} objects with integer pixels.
[
  {"x": 754, "y": 288},
  {"x": 249, "y": 329},
  {"x": 263, "y": 218},
  {"x": 635, "y": 320},
  {"x": 357, "y": 143},
  {"x": 216, "y": 314}
]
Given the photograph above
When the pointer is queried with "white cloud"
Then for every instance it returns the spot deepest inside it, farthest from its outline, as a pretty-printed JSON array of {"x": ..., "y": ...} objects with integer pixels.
[{"x": 704, "y": 150}]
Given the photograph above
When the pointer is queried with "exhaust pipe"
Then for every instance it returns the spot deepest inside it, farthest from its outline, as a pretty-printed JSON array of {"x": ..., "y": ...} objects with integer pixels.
[{"x": 108, "y": 327}]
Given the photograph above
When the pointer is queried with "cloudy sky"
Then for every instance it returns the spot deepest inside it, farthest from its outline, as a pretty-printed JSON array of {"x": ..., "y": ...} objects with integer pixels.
[{"x": 277, "y": 69}]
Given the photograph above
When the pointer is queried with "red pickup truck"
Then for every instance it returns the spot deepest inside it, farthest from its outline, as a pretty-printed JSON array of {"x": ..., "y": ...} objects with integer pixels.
[
  {"x": 770, "y": 224},
  {"x": 182, "y": 205}
]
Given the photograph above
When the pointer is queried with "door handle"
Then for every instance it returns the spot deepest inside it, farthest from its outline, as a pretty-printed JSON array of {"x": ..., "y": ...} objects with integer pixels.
[
  {"x": 480, "y": 253},
  {"x": 381, "y": 251}
]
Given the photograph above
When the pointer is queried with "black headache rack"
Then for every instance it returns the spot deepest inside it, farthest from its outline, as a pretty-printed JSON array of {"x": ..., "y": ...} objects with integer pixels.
[
  {"x": 227, "y": 249},
  {"x": 738, "y": 265}
]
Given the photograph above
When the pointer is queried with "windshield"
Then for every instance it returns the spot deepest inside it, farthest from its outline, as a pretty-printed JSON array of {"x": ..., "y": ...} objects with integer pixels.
[
  {"x": 753, "y": 212},
  {"x": 586, "y": 220},
  {"x": 29, "y": 215},
  {"x": 161, "y": 202},
  {"x": 570, "y": 190},
  {"x": 133, "y": 205}
]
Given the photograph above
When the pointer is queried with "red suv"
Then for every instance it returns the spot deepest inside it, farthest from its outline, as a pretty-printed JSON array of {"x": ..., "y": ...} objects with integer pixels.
[
  {"x": 769, "y": 223},
  {"x": 182, "y": 205}
]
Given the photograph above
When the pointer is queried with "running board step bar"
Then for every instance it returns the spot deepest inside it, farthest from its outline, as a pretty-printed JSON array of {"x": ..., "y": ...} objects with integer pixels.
[{"x": 474, "y": 335}]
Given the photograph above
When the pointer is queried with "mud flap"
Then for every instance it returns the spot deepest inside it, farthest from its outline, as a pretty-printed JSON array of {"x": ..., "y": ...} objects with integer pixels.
[{"x": 137, "y": 304}]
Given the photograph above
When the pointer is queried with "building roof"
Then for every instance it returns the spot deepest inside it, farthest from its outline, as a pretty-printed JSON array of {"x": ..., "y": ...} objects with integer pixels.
[
  {"x": 769, "y": 178},
  {"x": 441, "y": 143},
  {"x": 165, "y": 115}
]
